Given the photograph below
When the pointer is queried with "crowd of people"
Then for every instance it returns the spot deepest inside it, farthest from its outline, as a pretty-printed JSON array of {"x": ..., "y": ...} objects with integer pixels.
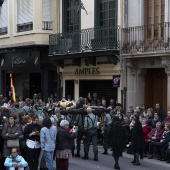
[{"x": 34, "y": 133}]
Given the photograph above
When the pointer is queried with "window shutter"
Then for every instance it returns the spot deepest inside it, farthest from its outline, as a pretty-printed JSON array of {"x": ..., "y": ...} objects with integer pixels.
[
  {"x": 4, "y": 15},
  {"x": 25, "y": 11},
  {"x": 46, "y": 10}
]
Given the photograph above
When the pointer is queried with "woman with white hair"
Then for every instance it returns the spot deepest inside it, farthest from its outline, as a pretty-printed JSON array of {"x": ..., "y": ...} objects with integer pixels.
[{"x": 64, "y": 145}]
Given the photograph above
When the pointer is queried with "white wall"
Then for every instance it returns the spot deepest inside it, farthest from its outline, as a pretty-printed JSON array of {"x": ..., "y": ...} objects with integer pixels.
[
  {"x": 135, "y": 13},
  {"x": 87, "y": 21}
]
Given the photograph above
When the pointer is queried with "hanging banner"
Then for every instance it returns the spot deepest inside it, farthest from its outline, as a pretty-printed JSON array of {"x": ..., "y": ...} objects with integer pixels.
[{"x": 116, "y": 81}]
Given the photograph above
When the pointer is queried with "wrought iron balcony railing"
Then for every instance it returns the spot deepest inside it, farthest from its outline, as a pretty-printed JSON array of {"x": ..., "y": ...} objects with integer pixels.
[
  {"x": 146, "y": 38},
  {"x": 86, "y": 40},
  {"x": 46, "y": 25}
]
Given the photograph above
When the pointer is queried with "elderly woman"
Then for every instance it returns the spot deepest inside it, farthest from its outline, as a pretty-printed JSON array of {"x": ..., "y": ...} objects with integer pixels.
[
  {"x": 163, "y": 144},
  {"x": 64, "y": 145},
  {"x": 10, "y": 131}
]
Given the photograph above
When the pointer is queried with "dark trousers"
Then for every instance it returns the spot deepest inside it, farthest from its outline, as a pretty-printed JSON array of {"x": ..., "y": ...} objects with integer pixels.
[
  {"x": 62, "y": 164},
  {"x": 32, "y": 158},
  {"x": 106, "y": 137},
  {"x": 161, "y": 148},
  {"x": 79, "y": 137},
  {"x": 146, "y": 146},
  {"x": 90, "y": 137}
]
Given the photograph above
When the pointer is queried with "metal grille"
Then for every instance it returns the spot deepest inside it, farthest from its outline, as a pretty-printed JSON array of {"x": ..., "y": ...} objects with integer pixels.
[
  {"x": 87, "y": 40},
  {"x": 104, "y": 88}
]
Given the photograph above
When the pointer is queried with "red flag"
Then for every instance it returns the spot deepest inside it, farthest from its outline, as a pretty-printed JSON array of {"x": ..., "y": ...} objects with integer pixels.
[{"x": 13, "y": 99}]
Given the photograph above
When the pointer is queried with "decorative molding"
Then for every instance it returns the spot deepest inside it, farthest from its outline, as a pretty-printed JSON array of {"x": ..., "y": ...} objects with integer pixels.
[{"x": 166, "y": 64}]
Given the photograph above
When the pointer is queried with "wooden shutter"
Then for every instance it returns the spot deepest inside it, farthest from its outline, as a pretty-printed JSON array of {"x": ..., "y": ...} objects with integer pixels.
[
  {"x": 24, "y": 11},
  {"x": 4, "y": 14},
  {"x": 46, "y": 10}
]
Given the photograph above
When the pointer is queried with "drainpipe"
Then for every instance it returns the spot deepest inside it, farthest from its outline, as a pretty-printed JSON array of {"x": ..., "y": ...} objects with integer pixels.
[{"x": 124, "y": 64}]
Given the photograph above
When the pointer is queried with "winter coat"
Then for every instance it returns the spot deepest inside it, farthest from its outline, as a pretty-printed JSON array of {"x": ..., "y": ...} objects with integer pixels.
[
  {"x": 137, "y": 138},
  {"x": 19, "y": 159},
  {"x": 64, "y": 139},
  {"x": 118, "y": 137},
  {"x": 11, "y": 135}
]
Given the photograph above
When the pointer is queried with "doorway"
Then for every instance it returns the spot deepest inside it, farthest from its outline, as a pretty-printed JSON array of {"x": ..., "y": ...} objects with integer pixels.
[
  {"x": 156, "y": 88},
  {"x": 35, "y": 83},
  {"x": 104, "y": 88},
  {"x": 69, "y": 89}
]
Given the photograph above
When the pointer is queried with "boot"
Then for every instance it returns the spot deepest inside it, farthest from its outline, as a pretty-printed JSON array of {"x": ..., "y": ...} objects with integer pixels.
[
  {"x": 116, "y": 163},
  {"x": 134, "y": 159},
  {"x": 96, "y": 157},
  {"x": 168, "y": 157},
  {"x": 78, "y": 153},
  {"x": 105, "y": 152},
  {"x": 137, "y": 159},
  {"x": 85, "y": 156}
]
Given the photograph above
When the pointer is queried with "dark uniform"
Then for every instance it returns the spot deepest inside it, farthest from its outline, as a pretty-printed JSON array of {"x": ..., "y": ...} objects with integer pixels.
[
  {"x": 90, "y": 126},
  {"x": 80, "y": 124},
  {"x": 107, "y": 127}
]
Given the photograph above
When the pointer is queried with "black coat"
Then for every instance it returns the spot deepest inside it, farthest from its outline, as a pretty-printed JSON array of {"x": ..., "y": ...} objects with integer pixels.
[
  {"x": 64, "y": 139},
  {"x": 118, "y": 137},
  {"x": 137, "y": 138}
]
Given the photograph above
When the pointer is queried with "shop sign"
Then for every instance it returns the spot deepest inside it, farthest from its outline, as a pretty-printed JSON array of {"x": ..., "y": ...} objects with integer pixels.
[
  {"x": 116, "y": 81},
  {"x": 87, "y": 71}
]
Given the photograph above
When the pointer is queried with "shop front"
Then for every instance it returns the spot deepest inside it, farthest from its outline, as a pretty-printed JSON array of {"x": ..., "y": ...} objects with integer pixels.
[
  {"x": 81, "y": 81},
  {"x": 32, "y": 73}
]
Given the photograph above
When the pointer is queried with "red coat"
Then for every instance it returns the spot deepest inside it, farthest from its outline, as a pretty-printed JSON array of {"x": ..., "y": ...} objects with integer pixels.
[
  {"x": 146, "y": 130},
  {"x": 166, "y": 120},
  {"x": 158, "y": 134}
]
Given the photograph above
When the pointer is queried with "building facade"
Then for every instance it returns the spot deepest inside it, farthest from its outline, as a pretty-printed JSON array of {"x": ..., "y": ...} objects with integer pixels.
[
  {"x": 145, "y": 50},
  {"x": 25, "y": 27},
  {"x": 87, "y": 48}
]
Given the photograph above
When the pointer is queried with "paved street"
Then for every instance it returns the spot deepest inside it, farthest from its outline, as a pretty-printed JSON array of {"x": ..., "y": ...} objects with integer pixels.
[{"x": 107, "y": 163}]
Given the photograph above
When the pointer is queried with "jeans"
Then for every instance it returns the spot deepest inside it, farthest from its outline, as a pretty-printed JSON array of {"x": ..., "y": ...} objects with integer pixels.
[
  {"x": 13, "y": 168},
  {"x": 48, "y": 156}
]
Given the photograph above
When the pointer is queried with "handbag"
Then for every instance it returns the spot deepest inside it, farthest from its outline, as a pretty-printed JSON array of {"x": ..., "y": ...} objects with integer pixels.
[{"x": 13, "y": 143}]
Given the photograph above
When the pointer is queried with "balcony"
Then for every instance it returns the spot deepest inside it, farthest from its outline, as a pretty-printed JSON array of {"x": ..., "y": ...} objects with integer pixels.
[
  {"x": 84, "y": 41},
  {"x": 46, "y": 25},
  {"x": 146, "y": 39}
]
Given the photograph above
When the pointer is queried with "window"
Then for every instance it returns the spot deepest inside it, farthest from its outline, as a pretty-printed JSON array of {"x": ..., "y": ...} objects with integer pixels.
[
  {"x": 107, "y": 13},
  {"x": 154, "y": 18},
  {"x": 4, "y": 18},
  {"x": 24, "y": 15},
  {"x": 46, "y": 15},
  {"x": 72, "y": 15}
]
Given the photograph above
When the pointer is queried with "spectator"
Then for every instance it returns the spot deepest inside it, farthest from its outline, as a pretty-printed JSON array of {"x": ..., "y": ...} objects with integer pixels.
[
  {"x": 146, "y": 130},
  {"x": 149, "y": 116},
  {"x": 167, "y": 119},
  {"x": 47, "y": 138},
  {"x": 10, "y": 131},
  {"x": 154, "y": 135},
  {"x": 163, "y": 144},
  {"x": 32, "y": 134},
  {"x": 63, "y": 145},
  {"x": 155, "y": 120},
  {"x": 15, "y": 161},
  {"x": 160, "y": 111}
]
